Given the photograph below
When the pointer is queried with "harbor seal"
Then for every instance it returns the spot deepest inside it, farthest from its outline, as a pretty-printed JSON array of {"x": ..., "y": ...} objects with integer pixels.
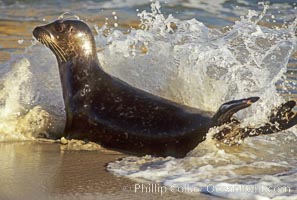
[{"x": 107, "y": 110}]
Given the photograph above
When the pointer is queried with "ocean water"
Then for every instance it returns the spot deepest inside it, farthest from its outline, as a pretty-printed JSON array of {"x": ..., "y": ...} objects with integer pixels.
[{"x": 199, "y": 53}]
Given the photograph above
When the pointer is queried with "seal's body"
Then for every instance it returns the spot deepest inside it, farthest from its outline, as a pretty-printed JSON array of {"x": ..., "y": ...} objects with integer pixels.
[{"x": 107, "y": 110}]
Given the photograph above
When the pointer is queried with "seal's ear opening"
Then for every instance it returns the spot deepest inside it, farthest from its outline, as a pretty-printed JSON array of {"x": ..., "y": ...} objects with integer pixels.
[{"x": 225, "y": 112}]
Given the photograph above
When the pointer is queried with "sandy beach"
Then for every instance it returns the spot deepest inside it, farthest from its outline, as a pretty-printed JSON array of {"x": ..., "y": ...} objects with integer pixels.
[{"x": 38, "y": 170}]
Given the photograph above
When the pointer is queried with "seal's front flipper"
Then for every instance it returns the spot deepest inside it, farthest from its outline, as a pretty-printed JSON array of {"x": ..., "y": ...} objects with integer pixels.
[{"x": 226, "y": 111}]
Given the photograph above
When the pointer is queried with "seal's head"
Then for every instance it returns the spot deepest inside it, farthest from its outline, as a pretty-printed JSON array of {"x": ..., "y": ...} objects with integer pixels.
[{"x": 68, "y": 39}]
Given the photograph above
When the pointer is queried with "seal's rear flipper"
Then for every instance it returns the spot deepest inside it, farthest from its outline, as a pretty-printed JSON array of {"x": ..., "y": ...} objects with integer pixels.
[
  {"x": 280, "y": 119},
  {"x": 225, "y": 112}
]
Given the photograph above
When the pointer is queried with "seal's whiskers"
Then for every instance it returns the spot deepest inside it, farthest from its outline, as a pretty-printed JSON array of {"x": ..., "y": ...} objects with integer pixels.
[
  {"x": 55, "y": 48},
  {"x": 48, "y": 44},
  {"x": 59, "y": 49}
]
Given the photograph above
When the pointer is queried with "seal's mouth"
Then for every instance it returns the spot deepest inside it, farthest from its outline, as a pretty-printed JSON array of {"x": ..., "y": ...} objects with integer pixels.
[{"x": 44, "y": 37}]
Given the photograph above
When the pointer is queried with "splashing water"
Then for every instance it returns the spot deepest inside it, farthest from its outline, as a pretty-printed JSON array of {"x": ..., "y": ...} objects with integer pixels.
[
  {"x": 185, "y": 61},
  {"x": 189, "y": 63},
  {"x": 31, "y": 100}
]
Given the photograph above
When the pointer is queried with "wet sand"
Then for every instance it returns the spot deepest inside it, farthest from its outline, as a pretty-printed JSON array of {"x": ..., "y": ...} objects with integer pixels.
[{"x": 35, "y": 170}]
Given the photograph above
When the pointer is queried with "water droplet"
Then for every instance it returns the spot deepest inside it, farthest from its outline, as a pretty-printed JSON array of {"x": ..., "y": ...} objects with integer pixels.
[{"x": 20, "y": 41}]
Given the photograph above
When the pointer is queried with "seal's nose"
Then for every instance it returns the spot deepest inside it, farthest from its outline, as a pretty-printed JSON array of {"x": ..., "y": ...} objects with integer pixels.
[{"x": 36, "y": 32}]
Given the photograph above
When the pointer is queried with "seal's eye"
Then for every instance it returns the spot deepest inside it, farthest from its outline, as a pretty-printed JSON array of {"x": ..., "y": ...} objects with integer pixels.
[{"x": 60, "y": 27}]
